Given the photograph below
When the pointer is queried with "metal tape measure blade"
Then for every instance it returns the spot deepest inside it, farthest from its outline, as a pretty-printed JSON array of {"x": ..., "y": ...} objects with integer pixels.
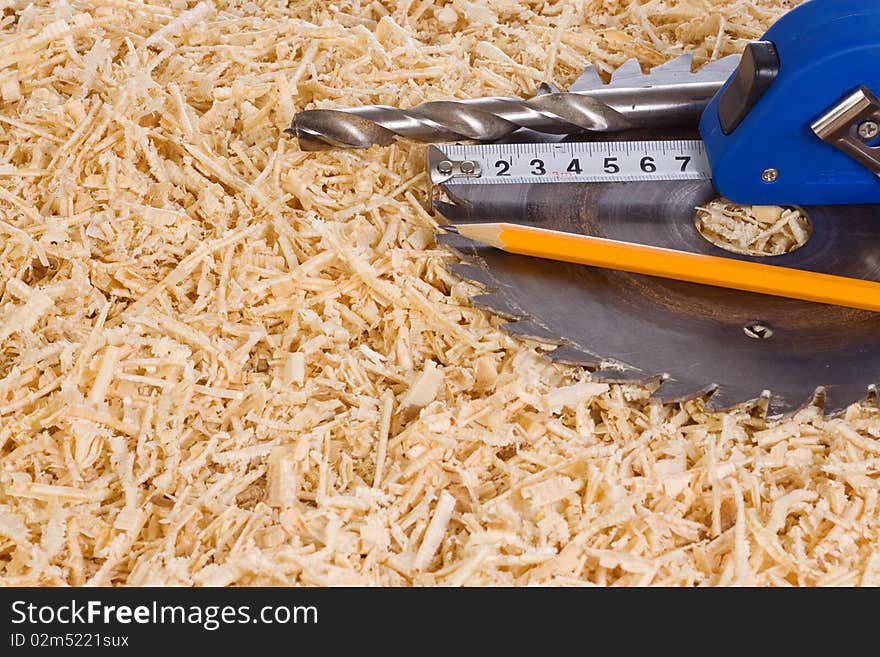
[{"x": 616, "y": 161}]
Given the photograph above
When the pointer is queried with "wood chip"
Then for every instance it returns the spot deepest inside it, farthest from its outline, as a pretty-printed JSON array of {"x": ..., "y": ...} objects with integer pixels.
[
  {"x": 423, "y": 390},
  {"x": 435, "y": 532}
]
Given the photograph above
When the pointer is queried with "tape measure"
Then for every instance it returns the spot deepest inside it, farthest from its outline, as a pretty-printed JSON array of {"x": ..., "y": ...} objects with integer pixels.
[{"x": 616, "y": 161}]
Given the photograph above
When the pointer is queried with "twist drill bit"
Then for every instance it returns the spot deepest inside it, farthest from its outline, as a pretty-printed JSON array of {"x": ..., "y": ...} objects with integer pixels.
[{"x": 670, "y": 96}]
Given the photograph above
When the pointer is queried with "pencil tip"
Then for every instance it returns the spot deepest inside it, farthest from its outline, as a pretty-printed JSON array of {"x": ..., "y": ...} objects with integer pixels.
[{"x": 449, "y": 228}]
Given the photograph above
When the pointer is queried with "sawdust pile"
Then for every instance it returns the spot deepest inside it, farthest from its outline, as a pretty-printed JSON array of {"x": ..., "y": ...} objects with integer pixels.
[
  {"x": 755, "y": 230},
  {"x": 224, "y": 361}
]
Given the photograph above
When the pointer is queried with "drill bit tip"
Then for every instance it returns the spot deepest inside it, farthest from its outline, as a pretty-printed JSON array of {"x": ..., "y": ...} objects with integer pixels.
[{"x": 322, "y": 129}]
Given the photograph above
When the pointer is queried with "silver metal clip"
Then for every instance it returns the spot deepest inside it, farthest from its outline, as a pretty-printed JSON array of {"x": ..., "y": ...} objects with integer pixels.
[
  {"x": 441, "y": 168},
  {"x": 852, "y": 126}
]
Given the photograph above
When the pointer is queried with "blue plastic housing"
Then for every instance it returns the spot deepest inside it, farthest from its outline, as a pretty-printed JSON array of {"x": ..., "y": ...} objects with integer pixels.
[{"x": 827, "y": 49}]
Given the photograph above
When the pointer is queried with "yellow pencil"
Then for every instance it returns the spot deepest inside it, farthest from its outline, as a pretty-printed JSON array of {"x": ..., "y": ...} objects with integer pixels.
[{"x": 679, "y": 265}]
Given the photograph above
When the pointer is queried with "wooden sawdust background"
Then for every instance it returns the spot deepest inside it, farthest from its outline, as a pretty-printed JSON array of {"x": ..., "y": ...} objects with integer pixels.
[{"x": 225, "y": 361}]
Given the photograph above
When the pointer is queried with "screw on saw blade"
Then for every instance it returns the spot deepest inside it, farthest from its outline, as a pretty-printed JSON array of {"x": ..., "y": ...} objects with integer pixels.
[
  {"x": 868, "y": 130},
  {"x": 445, "y": 167},
  {"x": 770, "y": 175},
  {"x": 758, "y": 331}
]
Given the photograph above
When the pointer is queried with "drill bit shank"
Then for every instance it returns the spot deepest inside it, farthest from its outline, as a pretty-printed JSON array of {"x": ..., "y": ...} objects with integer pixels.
[{"x": 670, "y": 96}]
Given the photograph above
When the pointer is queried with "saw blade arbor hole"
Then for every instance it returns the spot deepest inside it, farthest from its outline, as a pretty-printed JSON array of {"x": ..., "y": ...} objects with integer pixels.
[{"x": 753, "y": 230}]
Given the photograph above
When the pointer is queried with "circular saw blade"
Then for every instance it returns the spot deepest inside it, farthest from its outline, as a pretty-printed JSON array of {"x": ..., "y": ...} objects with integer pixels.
[{"x": 629, "y": 327}]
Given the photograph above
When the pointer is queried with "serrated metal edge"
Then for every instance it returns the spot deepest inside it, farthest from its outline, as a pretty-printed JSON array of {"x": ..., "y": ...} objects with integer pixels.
[
  {"x": 675, "y": 71},
  {"x": 570, "y": 354},
  {"x": 452, "y": 212},
  {"x": 474, "y": 273},
  {"x": 627, "y": 72},
  {"x": 530, "y": 329},
  {"x": 497, "y": 303},
  {"x": 681, "y": 64},
  {"x": 460, "y": 246},
  {"x": 547, "y": 88},
  {"x": 717, "y": 67},
  {"x": 626, "y": 377},
  {"x": 669, "y": 393},
  {"x": 588, "y": 80},
  {"x": 826, "y": 400}
]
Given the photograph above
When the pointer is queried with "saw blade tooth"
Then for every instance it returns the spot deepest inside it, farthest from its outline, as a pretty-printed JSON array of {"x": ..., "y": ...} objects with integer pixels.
[
  {"x": 873, "y": 396},
  {"x": 676, "y": 392},
  {"x": 569, "y": 354},
  {"x": 547, "y": 88},
  {"x": 721, "y": 401},
  {"x": 588, "y": 80},
  {"x": 629, "y": 71},
  {"x": 531, "y": 331},
  {"x": 819, "y": 399},
  {"x": 681, "y": 64},
  {"x": 759, "y": 406},
  {"x": 458, "y": 244},
  {"x": 452, "y": 212},
  {"x": 835, "y": 399},
  {"x": 719, "y": 69},
  {"x": 820, "y": 396},
  {"x": 497, "y": 304},
  {"x": 785, "y": 407},
  {"x": 675, "y": 71},
  {"x": 680, "y": 71},
  {"x": 473, "y": 273},
  {"x": 627, "y": 377}
]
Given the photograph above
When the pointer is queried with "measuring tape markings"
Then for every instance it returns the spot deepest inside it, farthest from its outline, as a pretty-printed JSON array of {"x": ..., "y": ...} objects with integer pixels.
[{"x": 577, "y": 162}]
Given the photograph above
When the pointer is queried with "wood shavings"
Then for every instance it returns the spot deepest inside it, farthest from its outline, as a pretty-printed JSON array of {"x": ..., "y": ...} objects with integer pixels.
[
  {"x": 435, "y": 532},
  {"x": 294, "y": 368},
  {"x": 282, "y": 478},
  {"x": 753, "y": 230},
  {"x": 105, "y": 375},
  {"x": 181, "y": 23},
  {"x": 10, "y": 90},
  {"x": 19, "y": 318},
  {"x": 570, "y": 396},
  {"x": 423, "y": 390},
  {"x": 218, "y": 348},
  {"x": 13, "y": 527},
  {"x": 485, "y": 373}
]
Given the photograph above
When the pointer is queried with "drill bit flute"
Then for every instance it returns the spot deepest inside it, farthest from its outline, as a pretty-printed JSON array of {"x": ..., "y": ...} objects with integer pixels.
[{"x": 670, "y": 96}]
